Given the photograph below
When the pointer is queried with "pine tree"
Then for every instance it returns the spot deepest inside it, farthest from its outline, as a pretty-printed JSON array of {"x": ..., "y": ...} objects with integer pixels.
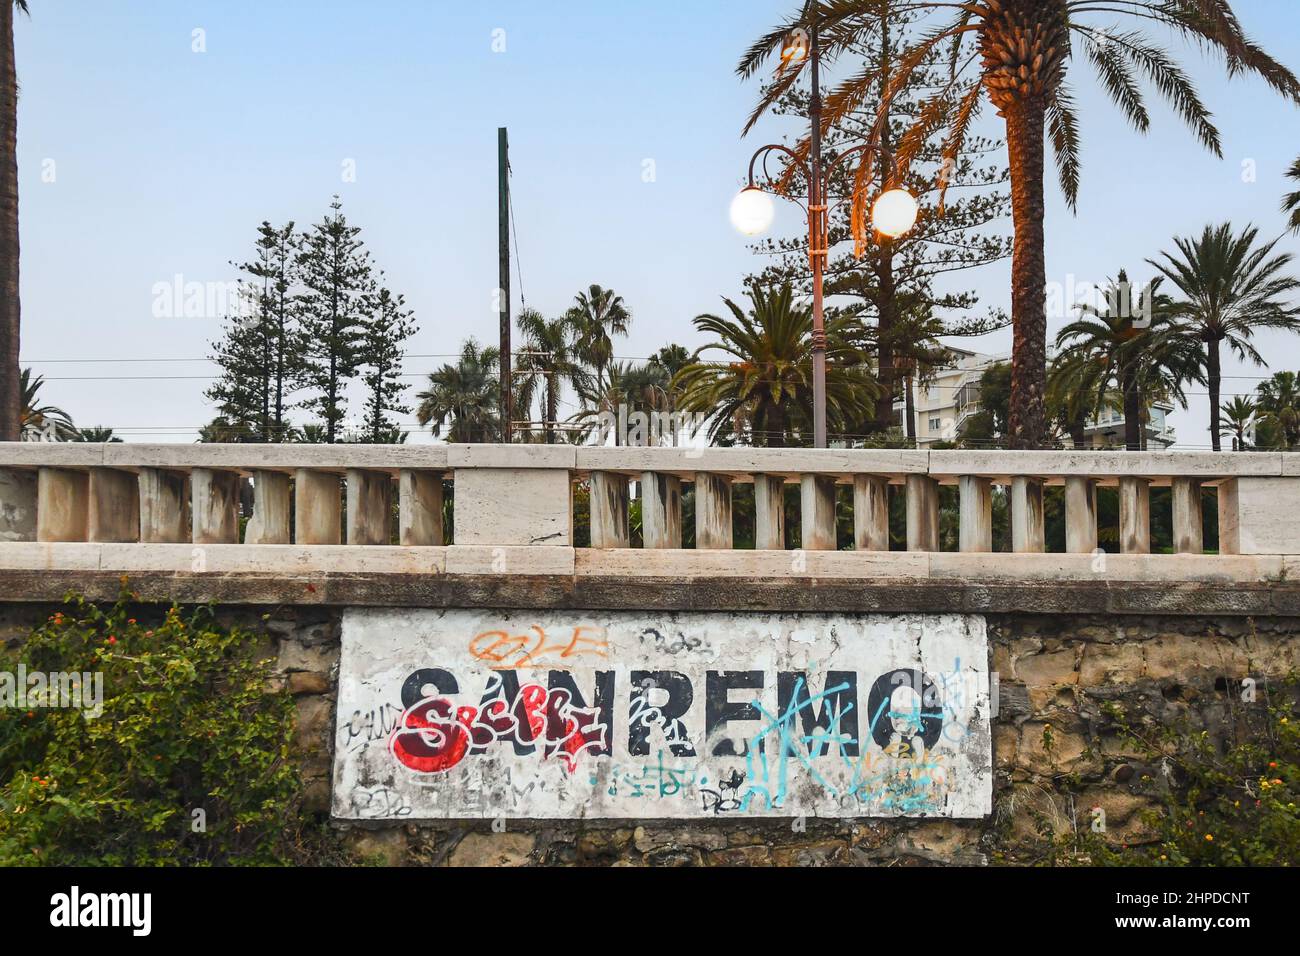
[
  {"x": 949, "y": 236},
  {"x": 388, "y": 325},
  {"x": 337, "y": 286},
  {"x": 260, "y": 351}
]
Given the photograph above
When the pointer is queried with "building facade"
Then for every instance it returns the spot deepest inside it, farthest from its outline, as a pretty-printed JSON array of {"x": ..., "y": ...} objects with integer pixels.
[{"x": 951, "y": 395}]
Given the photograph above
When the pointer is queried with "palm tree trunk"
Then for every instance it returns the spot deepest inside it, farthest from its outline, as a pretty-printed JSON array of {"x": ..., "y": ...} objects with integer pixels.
[
  {"x": 1214, "y": 379},
  {"x": 909, "y": 408},
  {"x": 10, "y": 392},
  {"x": 552, "y": 401},
  {"x": 1025, "y": 122},
  {"x": 774, "y": 421},
  {"x": 1133, "y": 430}
]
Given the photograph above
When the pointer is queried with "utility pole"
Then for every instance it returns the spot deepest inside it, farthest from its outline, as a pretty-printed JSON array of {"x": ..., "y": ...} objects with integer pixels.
[{"x": 503, "y": 284}]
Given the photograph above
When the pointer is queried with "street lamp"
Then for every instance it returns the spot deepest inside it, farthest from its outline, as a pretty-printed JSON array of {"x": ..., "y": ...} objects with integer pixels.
[
  {"x": 892, "y": 215},
  {"x": 751, "y": 211}
]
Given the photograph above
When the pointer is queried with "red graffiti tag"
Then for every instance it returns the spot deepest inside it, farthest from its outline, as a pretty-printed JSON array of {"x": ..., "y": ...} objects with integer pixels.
[{"x": 434, "y": 735}]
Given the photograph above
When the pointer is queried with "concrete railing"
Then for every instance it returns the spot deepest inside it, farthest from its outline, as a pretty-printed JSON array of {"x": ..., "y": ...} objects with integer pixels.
[{"x": 380, "y": 509}]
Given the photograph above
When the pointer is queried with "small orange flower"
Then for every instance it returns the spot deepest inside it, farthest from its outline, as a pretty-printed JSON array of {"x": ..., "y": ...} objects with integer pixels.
[{"x": 1210, "y": 837}]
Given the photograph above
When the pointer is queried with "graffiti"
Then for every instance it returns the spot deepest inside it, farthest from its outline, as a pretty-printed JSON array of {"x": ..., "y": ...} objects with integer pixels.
[
  {"x": 373, "y": 725},
  {"x": 716, "y": 801},
  {"x": 673, "y": 645},
  {"x": 755, "y": 715},
  {"x": 504, "y": 650},
  {"x": 653, "y": 781},
  {"x": 433, "y": 735},
  {"x": 381, "y": 803}
]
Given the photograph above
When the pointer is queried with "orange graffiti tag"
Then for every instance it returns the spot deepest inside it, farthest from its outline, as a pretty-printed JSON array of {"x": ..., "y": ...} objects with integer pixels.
[{"x": 506, "y": 651}]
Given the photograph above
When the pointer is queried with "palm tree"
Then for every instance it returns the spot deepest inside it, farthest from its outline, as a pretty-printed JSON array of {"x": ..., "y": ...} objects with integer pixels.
[
  {"x": 311, "y": 434},
  {"x": 1073, "y": 380},
  {"x": 914, "y": 344},
  {"x": 11, "y": 384},
  {"x": 1291, "y": 201},
  {"x": 42, "y": 422},
  {"x": 671, "y": 359},
  {"x": 227, "y": 431},
  {"x": 1135, "y": 344},
  {"x": 661, "y": 392},
  {"x": 601, "y": 397},
  {"x": 1238, "y": 417},
  {"x": 764, "y": 391},
  {"x": 466, "y": 395},
  {"x": 596, "y": 316},
  {"x": 547, "y": 361},
  {"x": 1015, "y": 54},
  {"x": 1278, "y": 410},
  {"x": 1230, "y": 287},
  {"x": 96, "y": 433}
]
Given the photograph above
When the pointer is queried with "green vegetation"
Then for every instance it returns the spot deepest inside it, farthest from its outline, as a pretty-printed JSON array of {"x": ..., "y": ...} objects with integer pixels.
[
  {"x": 191, "y": 730},
  {"x": 1233, "y": 802}
]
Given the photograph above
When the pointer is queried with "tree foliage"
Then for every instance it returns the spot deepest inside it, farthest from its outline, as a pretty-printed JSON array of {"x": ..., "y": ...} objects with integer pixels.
[{"x": 188, "y": 724}]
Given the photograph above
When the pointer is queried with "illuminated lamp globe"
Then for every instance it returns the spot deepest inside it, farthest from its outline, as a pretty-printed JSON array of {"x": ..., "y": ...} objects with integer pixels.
[
  {"x": 894, "y": 213},
  {"x": 751, "y": 211}
]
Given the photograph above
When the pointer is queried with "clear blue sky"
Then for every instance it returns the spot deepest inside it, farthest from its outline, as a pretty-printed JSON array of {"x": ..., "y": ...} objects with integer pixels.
[{"x": 165, "y": 160}]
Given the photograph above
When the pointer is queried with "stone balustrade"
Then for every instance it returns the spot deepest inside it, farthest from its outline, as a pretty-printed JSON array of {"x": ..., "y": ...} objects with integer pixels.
[{"x": 268, "y": 509}]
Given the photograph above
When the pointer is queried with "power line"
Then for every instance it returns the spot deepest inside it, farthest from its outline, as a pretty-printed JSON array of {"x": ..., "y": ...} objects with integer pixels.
[
  {"x": 451, "y": 355},
  {"x": 514, "y": 231}
]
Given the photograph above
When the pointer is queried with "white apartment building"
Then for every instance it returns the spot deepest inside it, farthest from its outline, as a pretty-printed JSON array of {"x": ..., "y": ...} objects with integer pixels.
[{"x": 951, "y": 396}]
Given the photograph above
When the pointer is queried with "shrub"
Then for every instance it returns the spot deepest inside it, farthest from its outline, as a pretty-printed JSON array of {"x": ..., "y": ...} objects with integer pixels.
[
  {"x": 191, "y": 721},
  {"x": 1233, "y": 802}
]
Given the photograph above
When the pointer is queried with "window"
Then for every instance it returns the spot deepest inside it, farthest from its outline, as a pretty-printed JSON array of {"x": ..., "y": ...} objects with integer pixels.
[{"x": 936, "y": 424}]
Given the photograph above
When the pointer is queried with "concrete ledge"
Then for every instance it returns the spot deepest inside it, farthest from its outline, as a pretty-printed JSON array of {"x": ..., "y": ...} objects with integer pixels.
[
  {"x": 743, "y": 462},
  {"x": 511, "y": 456},
  {"x": 244, "y": 458},
  {"x": 638, "y": 563},
  {"x": 277, "y": 559},
  {"x": 1105, "y": 464},
  {"x": 510, "y": 560},
  {"x": 1122, "y": 568},
  {"x": 895, "y": 596}
]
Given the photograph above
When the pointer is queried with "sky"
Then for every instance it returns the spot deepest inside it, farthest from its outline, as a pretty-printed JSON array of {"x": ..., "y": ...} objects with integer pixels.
[{"x": 155, "y": 135}]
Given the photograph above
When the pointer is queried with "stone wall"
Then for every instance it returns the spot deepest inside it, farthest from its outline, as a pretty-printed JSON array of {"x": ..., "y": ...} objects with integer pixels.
[{"x": 1057, "y": 750}]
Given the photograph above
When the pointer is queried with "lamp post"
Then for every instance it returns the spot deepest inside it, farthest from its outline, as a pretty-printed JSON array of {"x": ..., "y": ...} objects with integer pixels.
[{"x": 893, "y": 214}]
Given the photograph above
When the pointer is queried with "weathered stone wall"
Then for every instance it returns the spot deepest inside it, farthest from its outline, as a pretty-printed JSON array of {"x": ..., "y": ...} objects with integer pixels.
[{"x": 1057, "y": 751}]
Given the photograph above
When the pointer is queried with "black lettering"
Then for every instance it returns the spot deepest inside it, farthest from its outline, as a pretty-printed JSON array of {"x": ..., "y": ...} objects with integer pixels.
[
  {"x": 642, "y": 714},
  {"x": 602, "y": 702},
  {"x": 719, "y": 710},
  {"x": 925, "y": 719},
  {"x": 443, "y": 683},
  {"x": 840, "y": 698}
]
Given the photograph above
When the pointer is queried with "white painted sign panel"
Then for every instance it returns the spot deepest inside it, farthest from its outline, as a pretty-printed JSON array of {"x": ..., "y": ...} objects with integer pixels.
[{"x": 460, "y": 714}]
